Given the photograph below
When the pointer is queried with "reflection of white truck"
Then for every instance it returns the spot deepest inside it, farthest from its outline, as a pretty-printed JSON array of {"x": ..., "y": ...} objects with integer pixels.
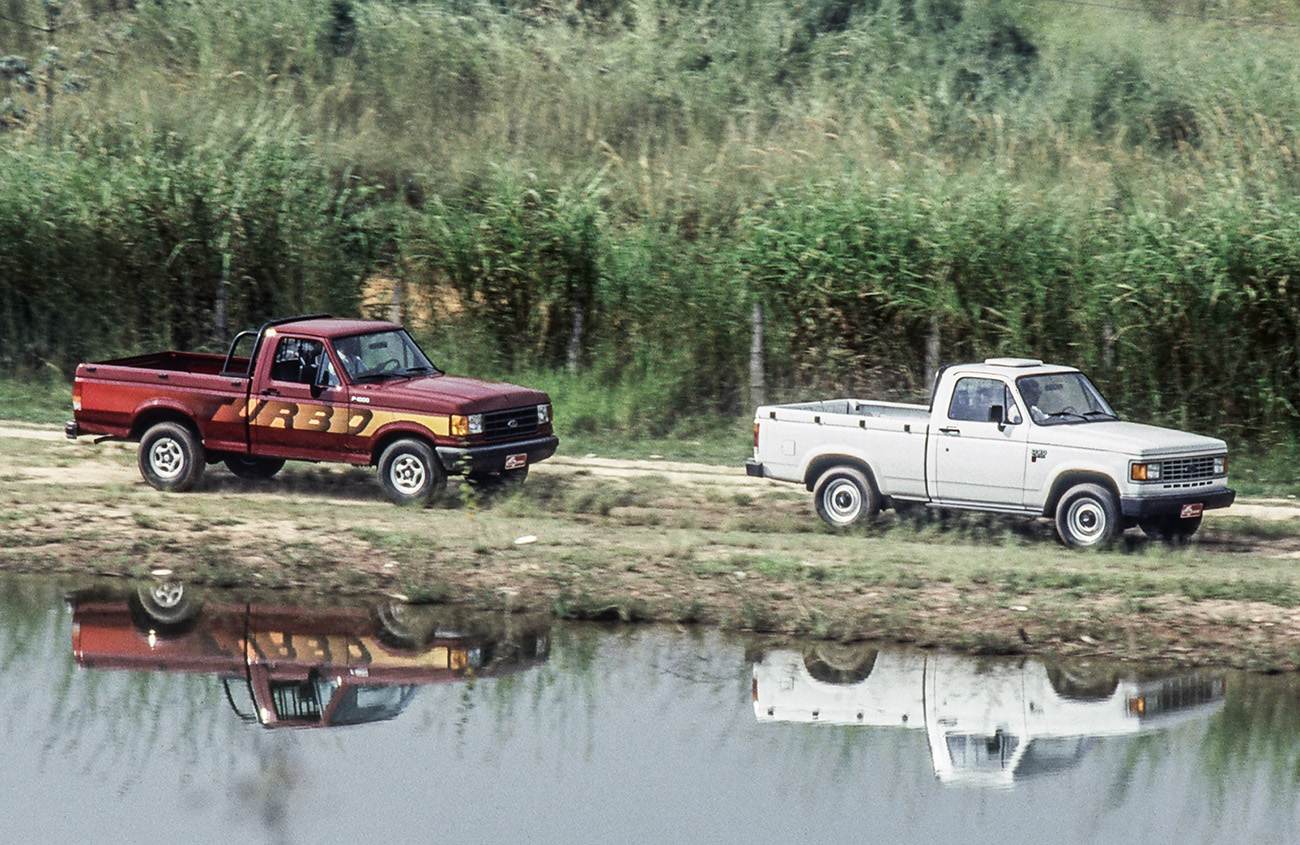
[
  {"x": 988, "y": 722},
  {"x": 1010, "y": 435}
]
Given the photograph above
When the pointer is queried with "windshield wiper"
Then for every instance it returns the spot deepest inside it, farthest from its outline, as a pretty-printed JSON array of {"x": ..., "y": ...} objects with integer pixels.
[{"x": 1100, "y": 414}]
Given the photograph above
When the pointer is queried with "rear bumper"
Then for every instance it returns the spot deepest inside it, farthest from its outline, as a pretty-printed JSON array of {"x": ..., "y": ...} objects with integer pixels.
[
  {"x": 1172, "y": 505},
  {"x": 71, "y": 430},
  {"x": 494, "y": 457},
  {"x": 753, "y": 468}
]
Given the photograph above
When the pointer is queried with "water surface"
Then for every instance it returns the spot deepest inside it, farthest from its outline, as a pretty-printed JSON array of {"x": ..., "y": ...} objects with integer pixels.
[{"x": 277, "y": 721}]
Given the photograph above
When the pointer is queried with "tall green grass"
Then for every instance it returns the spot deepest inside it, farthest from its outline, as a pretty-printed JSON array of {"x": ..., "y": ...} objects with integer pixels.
[{"x": 605, "y": 189}]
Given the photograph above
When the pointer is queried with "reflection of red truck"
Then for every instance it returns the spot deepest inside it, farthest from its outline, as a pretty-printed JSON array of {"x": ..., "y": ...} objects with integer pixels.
[
  {"x": 316, "y": 389},
  {"x": 301, "y": 667}
]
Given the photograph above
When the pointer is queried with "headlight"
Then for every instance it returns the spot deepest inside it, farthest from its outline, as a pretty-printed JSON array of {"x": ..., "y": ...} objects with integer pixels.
[
  {"x": 543, "y": 414},
  {"x": 1144, "y": 471},
  {"x": 1220, "y": 464},
  {"x": 464, "y": 426}
]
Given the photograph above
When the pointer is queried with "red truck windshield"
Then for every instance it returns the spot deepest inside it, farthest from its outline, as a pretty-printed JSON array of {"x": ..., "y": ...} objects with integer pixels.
[{"x": 384, "y": 354}]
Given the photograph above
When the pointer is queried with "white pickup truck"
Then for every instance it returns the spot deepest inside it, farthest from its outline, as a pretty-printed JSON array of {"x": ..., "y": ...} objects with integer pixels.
[{"x": 1010, "y": 435}]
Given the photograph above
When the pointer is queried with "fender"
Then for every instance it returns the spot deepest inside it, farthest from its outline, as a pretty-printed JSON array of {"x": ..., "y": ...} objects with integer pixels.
[{"x": 820, "y": 459}]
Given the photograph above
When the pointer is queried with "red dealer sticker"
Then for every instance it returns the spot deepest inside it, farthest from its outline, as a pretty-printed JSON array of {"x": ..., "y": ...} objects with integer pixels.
[
  {"x": 1190, "y": 511},
  {"x": 517, "y": 461}
]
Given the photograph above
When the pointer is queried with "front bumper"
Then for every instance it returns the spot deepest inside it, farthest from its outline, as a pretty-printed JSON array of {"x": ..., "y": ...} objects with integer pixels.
[
  {"x": 1172, "y": 505},
  {"x": 494, "y": 457}
]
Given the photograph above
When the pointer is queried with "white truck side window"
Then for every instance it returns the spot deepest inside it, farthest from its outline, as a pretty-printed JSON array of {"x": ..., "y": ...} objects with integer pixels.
[{"x": 973, "y": 397}]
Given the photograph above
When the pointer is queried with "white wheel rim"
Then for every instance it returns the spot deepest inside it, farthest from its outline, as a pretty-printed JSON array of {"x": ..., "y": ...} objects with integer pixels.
[
  {"x": 167, "y": 458},
  {"x": 168, "y": 594},
  {"x": 407, "y": 474},
  {"x": 1087, "y": 521},
  {"x": 843, "y": 500}
]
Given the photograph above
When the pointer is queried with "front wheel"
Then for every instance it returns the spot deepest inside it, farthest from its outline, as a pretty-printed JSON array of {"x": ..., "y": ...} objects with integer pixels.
[
  {"x": 171, "y": 457},
  {"x": 844, "y": 497},
  {"x": 1087, "y": 517},
  {"x": 410, "y": 473}
]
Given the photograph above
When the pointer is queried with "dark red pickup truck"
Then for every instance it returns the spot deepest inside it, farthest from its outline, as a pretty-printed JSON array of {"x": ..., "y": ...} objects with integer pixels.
[
  {"x": 300, "y": 666},
  {"x": 315, "y": 389}
]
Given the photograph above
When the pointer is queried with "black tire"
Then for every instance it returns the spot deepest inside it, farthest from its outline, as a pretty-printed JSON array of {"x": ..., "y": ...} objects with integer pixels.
[
  {"x": 171, "y": 457},
  {"x": 839, "y": 664},
  {"x": 844, "y": 497},
  {"x": 1171, "y": 530},
  {"x": 1087, "y": 517},
  {"x": 410, "y": 473},
  {"x": 252, "y": 468}
]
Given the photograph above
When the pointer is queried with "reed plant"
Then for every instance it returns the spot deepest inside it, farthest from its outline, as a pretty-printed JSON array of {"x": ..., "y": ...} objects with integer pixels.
[{"x": 607, "y": 189}]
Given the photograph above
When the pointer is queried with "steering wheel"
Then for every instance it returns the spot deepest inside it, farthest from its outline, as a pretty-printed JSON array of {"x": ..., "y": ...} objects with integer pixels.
[{"x": 392, "y": 365}]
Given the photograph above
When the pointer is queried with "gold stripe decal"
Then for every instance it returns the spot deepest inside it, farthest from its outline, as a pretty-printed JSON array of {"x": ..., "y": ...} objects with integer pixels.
[{"x": 325, "y": 419}]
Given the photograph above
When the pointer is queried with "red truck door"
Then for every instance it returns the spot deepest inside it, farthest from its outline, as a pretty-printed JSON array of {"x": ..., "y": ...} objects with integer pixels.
[{"x": 299, "y": 405}]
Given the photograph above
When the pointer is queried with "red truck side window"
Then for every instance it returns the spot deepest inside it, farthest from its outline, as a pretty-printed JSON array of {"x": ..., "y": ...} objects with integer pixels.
[{"x": 299, "y": 360}]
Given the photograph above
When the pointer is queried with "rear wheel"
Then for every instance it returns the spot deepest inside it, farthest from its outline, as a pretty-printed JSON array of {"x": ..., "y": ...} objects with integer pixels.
[
  {"x": 844, "y": 496},
  {"x": 171, "y": 457},
  {"x": 1087, "y": 517},
  {"x": 410, "y": 473}
]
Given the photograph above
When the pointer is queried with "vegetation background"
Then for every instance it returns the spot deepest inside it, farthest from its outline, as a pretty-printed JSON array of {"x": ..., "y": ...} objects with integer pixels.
[{"x": 595, "y": 195}]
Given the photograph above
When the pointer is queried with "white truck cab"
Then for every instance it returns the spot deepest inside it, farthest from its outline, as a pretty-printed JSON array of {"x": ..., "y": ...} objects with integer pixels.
[{"x": 1009, "y": 435}]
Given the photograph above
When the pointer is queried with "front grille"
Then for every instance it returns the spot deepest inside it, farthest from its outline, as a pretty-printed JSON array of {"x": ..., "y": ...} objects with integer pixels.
[
  {"x": 516, "y": 422},
  {"x": 1187, "y": 469}
]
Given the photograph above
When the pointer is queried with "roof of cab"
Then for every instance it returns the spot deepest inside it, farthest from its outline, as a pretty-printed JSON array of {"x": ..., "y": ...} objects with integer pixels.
[
  {"x": 1013, "y": 367},
  {"x": 335, "y": 326}
]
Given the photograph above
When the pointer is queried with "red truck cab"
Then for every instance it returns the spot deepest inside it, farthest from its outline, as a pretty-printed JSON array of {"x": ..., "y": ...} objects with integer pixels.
[{"x": 317, "y": 389}]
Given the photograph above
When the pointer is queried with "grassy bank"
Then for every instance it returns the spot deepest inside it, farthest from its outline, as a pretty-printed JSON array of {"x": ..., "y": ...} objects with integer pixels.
[{"x": 594, "y": 538}]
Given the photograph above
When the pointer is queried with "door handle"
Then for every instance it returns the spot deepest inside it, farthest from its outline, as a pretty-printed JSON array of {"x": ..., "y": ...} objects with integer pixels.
[
  {"x": 950, "y": 430},
  {"x": 270, "y": 391}
]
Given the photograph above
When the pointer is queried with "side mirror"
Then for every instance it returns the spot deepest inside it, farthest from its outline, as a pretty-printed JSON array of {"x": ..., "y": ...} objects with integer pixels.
[{"x": 997, "y": 414}]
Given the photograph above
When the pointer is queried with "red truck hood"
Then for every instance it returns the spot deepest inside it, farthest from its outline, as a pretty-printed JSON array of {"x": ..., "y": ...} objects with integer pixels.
[{"x": 453, "y": 394}]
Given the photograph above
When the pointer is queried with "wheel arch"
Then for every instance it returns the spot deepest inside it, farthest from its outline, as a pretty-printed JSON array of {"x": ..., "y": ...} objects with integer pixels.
[
  {"x": 1070, "y": 478},
  {"x": 388, "y": 436},
  {"x": 820, "y": 464},
  {"x": 149, "y": 417}
]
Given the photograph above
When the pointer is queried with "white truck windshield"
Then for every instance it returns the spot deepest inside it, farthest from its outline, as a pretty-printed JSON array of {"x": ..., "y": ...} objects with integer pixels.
[{"x": 1061, "y": 398}]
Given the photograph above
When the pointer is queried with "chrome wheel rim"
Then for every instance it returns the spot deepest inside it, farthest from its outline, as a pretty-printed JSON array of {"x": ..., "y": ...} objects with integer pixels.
[
  {"x": 843, "y": 500},
  {"x": 407, "y": 474},
  {"x": 1087, "y": 521},
  {"x": 167, "y": 459}
]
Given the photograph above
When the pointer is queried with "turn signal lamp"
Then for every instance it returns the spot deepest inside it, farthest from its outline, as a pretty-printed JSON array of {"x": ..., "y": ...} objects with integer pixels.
[
  {"x": 1144, "y": 472},
  {"x": 465, "y": 426}
]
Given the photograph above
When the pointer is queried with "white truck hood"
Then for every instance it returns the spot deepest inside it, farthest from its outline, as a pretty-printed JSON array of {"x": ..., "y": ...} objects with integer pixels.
[{"x": 1127, "y": 438}]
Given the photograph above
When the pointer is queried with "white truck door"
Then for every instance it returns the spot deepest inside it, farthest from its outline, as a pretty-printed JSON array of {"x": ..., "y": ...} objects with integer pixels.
[{"x": 975, "y": 459}]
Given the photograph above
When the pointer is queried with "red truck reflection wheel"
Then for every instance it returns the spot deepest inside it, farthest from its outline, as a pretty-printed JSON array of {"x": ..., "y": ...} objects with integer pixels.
[{"x": 410, "y": 474}]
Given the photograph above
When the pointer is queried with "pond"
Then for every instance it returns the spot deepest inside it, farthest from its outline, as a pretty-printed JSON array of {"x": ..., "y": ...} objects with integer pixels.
[{"x": 152, "y": 713}]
